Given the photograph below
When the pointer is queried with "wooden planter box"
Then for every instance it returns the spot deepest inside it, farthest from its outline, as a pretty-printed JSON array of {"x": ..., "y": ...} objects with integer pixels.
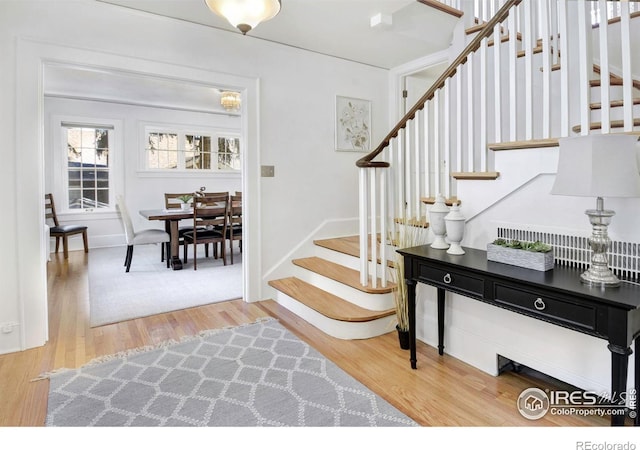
[{"x": 522, "y": 258}]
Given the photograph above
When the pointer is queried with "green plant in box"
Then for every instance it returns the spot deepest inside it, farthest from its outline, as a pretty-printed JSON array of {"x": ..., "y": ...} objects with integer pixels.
[{"x": 536, "y": 246}]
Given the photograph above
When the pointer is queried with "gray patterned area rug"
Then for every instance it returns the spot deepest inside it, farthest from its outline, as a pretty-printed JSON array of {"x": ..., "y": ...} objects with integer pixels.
[{"x": 252, "y": 375}]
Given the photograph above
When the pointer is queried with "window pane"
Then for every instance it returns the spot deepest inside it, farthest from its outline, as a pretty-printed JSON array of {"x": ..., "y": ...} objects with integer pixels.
[
  {"x": 87, "y": 162},
  {"x": 103, "y": 197},
  {"x": 74, "y": 199},
  {"x": 197, "y": 152},
  {"x": 162, "y": 150}
]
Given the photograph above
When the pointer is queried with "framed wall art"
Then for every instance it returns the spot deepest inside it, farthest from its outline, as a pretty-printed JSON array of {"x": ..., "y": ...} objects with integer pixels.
[{"x": 353, "y": 124}]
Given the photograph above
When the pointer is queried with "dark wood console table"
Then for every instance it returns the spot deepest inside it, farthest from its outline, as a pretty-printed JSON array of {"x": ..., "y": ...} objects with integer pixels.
[{"x": 556, "y": 296}]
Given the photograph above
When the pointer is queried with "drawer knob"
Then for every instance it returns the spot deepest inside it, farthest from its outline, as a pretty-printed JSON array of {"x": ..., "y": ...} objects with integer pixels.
[
  {"x": 447, "y": 278},
  {"x": 539, "y": 304}
]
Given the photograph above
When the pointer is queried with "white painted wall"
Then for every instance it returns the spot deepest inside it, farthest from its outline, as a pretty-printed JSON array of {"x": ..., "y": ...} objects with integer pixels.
[{"x": 292, "y": 127}]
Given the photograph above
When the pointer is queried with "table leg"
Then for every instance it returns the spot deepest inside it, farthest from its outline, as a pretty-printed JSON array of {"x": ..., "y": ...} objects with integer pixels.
[
  {"x": 636, "y": 357},
  {"x": 619, "y": 366},
  {"x": 411, "y": 306},
  {"x": 441, "y": 293},
  {"x": 176, "y": 262}
]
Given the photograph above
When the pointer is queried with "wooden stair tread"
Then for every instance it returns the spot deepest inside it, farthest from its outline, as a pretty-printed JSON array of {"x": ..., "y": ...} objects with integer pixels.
[
  {"x": 598, "y": 125},
  {"x": 442, "y": 7},
  {"x": 520, "y": 145},
  {"x": 475, "y": 175},
  {"x": 612, "y": 82},
  {"x": 448, "y": 201},
  {"x": 341, "y": 274},
  {"x": 325, "y": 303},
  {"x": 348, "y": 245},
  {"x": 613, "y": 104}
]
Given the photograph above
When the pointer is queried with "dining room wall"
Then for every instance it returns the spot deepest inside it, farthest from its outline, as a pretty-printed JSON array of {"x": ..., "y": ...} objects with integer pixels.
[{"x": 293, "y": 96}]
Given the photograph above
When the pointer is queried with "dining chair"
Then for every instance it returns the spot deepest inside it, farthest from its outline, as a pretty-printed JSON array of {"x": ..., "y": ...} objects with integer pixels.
[
  {"x": 209, "y": 225},
  {"x": 200, "y": 194},
  {"x": 234, "y": 223},
  {"x": 141, "y": 237},
  {"x": 62, "y": 232}
]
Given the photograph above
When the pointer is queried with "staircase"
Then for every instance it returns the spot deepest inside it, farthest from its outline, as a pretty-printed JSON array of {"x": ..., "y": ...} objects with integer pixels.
[
  {"x": 525, "y": 82},
  {"x": 325, "y": 290}
]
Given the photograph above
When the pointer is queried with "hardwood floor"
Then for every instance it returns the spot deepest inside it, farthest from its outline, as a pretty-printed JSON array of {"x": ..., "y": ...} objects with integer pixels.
[{"x": 443, "y": 391}]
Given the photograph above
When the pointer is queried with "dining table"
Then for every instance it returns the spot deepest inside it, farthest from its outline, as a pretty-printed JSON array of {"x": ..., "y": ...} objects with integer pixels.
[{"x": 172, "y": 218}]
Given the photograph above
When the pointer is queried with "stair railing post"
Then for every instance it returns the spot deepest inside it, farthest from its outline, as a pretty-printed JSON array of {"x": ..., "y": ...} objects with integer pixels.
[{"x": 363, "y": 213}]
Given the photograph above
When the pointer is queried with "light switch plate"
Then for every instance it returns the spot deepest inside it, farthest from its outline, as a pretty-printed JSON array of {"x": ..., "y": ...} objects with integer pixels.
[{"x": 267, "y": 171}]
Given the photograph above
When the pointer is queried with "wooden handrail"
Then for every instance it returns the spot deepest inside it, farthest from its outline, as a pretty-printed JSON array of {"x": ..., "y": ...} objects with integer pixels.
[{"x": 499, "y": 17}]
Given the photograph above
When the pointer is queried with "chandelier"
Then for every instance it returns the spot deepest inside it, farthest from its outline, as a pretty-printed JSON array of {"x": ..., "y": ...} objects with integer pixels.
[
  {"x": 230, "y": 100},
  {"x": 245, "y": 14}
]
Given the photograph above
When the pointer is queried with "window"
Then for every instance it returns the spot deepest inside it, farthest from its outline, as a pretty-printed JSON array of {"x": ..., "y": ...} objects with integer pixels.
[
  {"x": 88, "y": 166},
  {"x": 173, "y": 150}
]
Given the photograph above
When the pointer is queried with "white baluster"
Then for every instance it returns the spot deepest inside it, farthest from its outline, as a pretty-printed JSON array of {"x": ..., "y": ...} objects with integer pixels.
[
  {"x": 497, "y": 83},
  {"x": 459, "y": 116},
  {"x": 627, "y": 81},
  {"x": 383, "y": 227},
  {"x": 605, "y": 100},
  {"x": 513, "y": 57},
  {"x": 564, "y": 68},
  {"x": 427, "y": 147},
  {"x": 546, "y": 69},
  {"x": 529, "y": 43},
  {"x": 585, "y": 66},
  {"x": 446, "y": 144},
  {"x": 482, "y": 147},
  {"x": 437, "y": 157},
  {"x": 374, "y": 227},
  {"x": 419, "y": 154},
  {"x": 364, "y": 266},
  {"x": 470, "y": 113}
]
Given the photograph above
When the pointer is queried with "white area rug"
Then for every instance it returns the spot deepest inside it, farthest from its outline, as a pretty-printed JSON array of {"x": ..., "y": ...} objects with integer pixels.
[{"x": 150, "y": 288}]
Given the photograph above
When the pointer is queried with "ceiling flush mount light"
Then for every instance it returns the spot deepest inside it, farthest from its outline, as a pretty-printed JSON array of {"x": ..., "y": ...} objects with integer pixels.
[
  {"x": 230, "y": 100},
  {"x": 245, "y": 14}
]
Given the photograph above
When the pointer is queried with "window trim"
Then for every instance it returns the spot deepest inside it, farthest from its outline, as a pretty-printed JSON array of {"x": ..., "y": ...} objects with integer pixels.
[
  {"x": 182, "y": 130},
  {"x": 60, "y": 178}
]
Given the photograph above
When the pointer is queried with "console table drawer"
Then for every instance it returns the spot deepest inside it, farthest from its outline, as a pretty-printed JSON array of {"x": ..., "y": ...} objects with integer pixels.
[
  {"x": 451, "y": 280},
  {"x": 545, "y": 307}
]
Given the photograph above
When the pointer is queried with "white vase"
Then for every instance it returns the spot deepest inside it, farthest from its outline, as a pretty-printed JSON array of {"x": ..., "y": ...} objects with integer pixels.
[
  {"x": 184, "y": 206},
  {"x": 454, "y": 223},
  {"x": 437, "y": 214}
]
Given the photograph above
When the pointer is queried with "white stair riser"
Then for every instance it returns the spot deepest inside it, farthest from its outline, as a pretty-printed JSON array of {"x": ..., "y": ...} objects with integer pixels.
[
  {"x": 615, "y": 93},
  {"x": 374, "y": 302},
  {"x": 614, "y": 113},
  {"x": 352, "y": 262},
  {"x": 337, "y": 328}
]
